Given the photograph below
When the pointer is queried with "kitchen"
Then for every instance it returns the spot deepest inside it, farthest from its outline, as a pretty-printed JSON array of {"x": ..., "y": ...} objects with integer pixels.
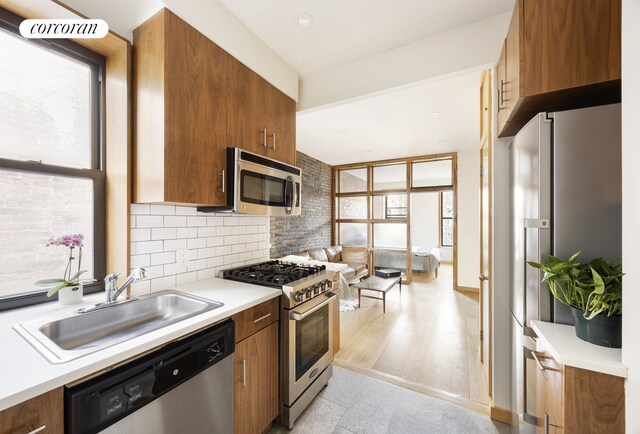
[{"x": 152, "y": 191}]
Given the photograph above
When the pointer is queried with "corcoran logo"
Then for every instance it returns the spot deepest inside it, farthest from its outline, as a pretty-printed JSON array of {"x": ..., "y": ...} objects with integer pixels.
[{"x": 63, "y": 29}]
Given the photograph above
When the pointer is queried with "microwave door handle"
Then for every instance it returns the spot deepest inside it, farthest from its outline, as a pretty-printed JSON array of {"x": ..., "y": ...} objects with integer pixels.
[
  {"x": 289, "y": 197},
  {"x": 297, "y": 316},
  {"x": 294, "y": 200}
]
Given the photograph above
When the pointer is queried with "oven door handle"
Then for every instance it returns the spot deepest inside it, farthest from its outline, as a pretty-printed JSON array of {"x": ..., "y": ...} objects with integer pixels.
[{"x": 297, "y": 316}]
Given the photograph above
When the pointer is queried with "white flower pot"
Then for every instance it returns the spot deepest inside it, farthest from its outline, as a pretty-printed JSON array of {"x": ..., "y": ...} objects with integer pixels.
[{"x": 70, "y": 295}]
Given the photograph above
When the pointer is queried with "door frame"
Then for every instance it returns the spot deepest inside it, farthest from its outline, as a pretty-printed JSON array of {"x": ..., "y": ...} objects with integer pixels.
[{"x": 486, "y": 147}]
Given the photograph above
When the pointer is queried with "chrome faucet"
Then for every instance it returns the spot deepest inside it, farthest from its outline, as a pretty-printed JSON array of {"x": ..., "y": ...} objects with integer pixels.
[{"x": 112, "y": 292}]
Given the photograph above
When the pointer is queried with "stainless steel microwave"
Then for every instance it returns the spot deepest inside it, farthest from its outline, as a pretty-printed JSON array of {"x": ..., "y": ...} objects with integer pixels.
[{"x": 259, "y": 185}]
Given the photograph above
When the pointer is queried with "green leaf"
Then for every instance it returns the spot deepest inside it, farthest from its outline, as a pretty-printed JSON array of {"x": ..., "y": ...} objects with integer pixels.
[
  {"x": 598, "y": 282},
  {"x": 57, "y": 288},
  {"x": 48, "y": 282},
  {"x": 75, "y": 276},
  {"x": 575, "y": 256}
]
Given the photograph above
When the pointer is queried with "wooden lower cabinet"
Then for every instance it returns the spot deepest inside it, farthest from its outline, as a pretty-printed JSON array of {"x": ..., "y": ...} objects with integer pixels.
[
  {"x": 577, "y": 401},
  {"x": 256, "y": 380},
  {"x": 46, "y": 410}
]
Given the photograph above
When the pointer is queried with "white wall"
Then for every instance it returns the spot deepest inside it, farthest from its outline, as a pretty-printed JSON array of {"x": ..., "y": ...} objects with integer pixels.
[
  {"x": 469, "y": 216},
  {"x": 631, "y": 207},
  {"x": 468, "y": 48},
  {"x": 214, "y": 242},
  {"x": 424, "y": 219},
  {"x": 212, "y": 19}
]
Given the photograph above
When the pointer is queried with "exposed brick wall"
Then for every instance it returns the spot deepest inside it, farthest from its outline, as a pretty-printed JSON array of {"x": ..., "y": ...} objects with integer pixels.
[{"x": 313, "y": 227}]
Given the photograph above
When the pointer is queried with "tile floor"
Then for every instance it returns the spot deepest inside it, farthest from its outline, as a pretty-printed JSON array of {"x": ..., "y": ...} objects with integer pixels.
[{"x": 355, "y": 403}]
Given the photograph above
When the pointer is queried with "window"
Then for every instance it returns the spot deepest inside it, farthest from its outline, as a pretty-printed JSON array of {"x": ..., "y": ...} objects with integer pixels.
[
  {"x": 446, "y": 217},
  {"x": 395, "y": 206},
  {"x": 51, "y": 161}
]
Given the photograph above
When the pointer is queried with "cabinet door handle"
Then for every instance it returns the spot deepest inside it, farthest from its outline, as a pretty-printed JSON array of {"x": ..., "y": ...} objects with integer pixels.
[
  {"x": 244, "y": 372},
  {"x": 501, "y": 92},
  {"x": 264, "y": 137},
  {"x": 257, "y": 320},
  {"x": 222, "y": 176},
  {"x": 273, "y": 137},
  {"x": 547, "y": 424},
  {"x": 538, "y": 362},
  {"x": 39, "y": 429}
]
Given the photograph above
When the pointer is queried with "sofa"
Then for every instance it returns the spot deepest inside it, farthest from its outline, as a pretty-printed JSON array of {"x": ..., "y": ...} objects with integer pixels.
[{"x": 356, "y": 259}]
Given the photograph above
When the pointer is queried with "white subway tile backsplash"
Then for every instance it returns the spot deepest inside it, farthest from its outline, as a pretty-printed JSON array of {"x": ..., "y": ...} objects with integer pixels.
[
  {"x": 215, "y": 221},
  {"x": 207, "y": 231},
  {"x": 223, "y": 250},
  {"x": 149, "y": 221},
  {"x": 138, "y": 261},
  {"x": 143, "y": 247},
  {"x": 214, "y": 242},
  {"x": 175, "y": 221},
  {"x": 163, "y": 258},
  {"x": 185, "y": 210},
  {"x": 143, "y": 234},
  {"x": 209, "y": 273},
  {"x": 163, "y": 233},
  {"x": 196, "y": 243},
  {"x": 224, "y": 230},
  {"x": 170, "y": 245},
  {"x": 186, "y": 232},
  {"x": 162, "y": 210},
  {"x": 230, "y": 240},
  {"x": 184, "y": 278},
  {"x": 140, "y": 287},
  {"x": 196, "y": 221},
  {"x": 139, "y": 208},
  {"x": 163, "y": 283}
]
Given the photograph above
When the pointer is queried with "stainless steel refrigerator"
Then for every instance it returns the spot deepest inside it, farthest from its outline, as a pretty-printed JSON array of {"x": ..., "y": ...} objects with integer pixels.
[{"x": 566, "y": 195}]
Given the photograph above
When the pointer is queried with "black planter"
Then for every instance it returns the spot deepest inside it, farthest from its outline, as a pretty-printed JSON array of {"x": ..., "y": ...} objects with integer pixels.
[
  {"x": 602, "y": 330},
  {"x": 581, "y": 324}
]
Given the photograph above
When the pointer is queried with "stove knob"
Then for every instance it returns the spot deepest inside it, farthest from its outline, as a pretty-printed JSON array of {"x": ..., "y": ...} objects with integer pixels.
[
  {"x": 316, "y": 289},
  {"x": 323, "y": 286},
  {"x": 329, "y": 284},
  {"x": 309, "y": 292},
  {"x": 298, "y": 296}
]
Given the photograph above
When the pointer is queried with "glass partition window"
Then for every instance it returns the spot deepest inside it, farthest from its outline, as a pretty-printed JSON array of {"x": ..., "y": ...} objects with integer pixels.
[
  {"x": 390, "y": 235},
  {"x": 353, "y": 180},
  {"x": 436, "y": 173},
  {"x": 446, "y": 213},
  {"x": 353, "y": 234},
  {"x": 390, "y": 177},
  {"x": 390, "y": 206},
  {"x": 352, "y": 207}
]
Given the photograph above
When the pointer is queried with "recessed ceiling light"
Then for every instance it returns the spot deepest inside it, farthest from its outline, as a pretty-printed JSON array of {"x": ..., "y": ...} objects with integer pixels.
[
  {"x": 440, "y": 142},
  {"x": 433, "y": 115},
  {"x": 304, "y": 19}
]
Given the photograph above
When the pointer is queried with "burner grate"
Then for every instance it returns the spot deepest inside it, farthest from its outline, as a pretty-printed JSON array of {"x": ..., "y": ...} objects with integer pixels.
[{"x": 273, "y": 273}]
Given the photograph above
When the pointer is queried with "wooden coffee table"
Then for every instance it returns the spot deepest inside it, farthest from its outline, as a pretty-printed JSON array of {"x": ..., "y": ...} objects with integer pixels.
[{"x": 378, "y": 284}]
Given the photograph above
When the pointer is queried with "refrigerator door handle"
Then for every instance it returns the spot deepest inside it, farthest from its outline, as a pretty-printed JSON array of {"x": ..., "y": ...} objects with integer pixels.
[{"x": 527, "y": 417}]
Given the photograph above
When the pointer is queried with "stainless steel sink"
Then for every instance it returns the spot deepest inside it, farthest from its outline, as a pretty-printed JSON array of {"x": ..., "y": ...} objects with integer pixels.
[{"x": 65, "y": 339}]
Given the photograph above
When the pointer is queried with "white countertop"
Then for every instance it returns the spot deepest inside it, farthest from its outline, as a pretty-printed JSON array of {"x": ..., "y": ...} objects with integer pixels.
[
  {"x": 566, "y": 348},
  {"x": 25, "y": 373}
]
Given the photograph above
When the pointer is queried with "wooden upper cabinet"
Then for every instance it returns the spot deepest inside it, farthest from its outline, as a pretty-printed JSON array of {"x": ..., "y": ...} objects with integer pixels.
[
  {"x": 558, "y": 55},
  {"x": 260, "y": 117},
  {"x": 485, "y": 106},
  {"x": 44, "y": 414},
  {"x": 180, "y": 114}
]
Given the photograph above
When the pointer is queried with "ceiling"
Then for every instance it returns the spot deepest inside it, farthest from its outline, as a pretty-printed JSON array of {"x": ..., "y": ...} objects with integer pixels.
[
  {"x": 395, "y": 124},
  {"x": 345, "y": 31}
]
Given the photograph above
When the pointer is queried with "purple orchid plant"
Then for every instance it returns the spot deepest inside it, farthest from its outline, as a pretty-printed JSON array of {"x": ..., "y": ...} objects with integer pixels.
[{"x": 71, "y": 241}]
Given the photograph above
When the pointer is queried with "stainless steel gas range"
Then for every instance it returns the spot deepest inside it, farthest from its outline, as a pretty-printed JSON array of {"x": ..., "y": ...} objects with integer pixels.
[{"x": 306, "y": 327}]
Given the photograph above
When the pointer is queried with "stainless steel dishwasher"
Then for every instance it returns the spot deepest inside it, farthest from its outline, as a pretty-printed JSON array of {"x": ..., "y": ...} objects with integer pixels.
[{"x": 184, "y": 387}]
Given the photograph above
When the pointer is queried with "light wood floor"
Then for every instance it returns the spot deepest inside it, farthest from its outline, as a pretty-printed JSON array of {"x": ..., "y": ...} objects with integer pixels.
[{"x": 428, "y": 340}]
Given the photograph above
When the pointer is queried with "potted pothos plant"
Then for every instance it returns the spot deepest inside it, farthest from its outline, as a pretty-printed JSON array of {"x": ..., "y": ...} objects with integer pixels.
[{"x": 594, "y": 292}]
